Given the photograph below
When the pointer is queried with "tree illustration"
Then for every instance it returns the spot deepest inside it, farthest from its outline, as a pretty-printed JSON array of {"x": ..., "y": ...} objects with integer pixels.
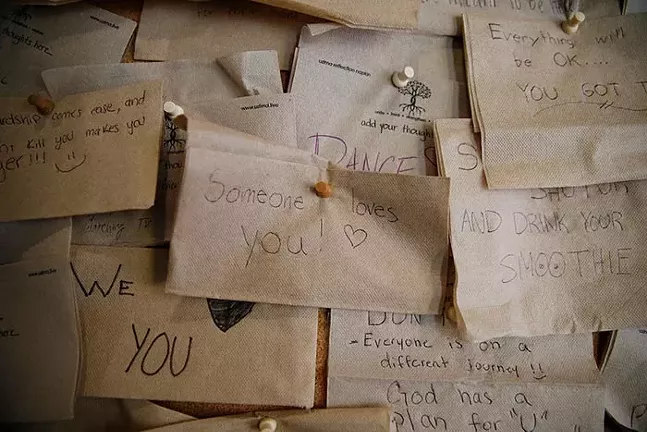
[{"x": 415, "y": 89}]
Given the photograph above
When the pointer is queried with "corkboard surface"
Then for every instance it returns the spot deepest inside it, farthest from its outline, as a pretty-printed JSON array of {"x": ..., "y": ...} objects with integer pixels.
[{"x": 132, "y": 9}]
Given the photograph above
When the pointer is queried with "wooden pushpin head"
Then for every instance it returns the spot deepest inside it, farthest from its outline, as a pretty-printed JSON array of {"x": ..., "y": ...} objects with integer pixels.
[
  {"x": 43, "y": 105},
  {"x": 573, "y": 23},
  {"x": 267, "y": 425},
  {"x": 401, "y": 79},
  {"x": 323, "y": 189},
  {"x": 172, "y": 109},
  {"x": 450, "y": 313}
]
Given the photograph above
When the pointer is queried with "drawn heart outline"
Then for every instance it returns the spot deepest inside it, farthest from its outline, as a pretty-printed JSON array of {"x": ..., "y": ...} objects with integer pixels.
[{"x": 352, "y": 234}]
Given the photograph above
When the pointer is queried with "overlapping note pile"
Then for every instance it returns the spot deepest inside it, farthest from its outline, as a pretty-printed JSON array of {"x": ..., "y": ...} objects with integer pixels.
[{"x": 483, "y": 220}]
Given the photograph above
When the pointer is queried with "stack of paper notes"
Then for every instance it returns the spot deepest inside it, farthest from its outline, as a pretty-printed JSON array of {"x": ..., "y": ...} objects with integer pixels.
[{"x": 312, "y": 215}]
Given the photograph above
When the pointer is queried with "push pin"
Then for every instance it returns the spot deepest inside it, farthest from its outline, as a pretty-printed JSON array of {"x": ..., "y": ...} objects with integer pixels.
[
  {"x": 401, "y": 79},
  {"x": 570, "y": 27},
  {"x": 176, "y": 113},
  {"x": 323, "y": 189},
  {"x": 450, "y": 313},
  {"x": 267, "y": 425},
  {"x": 43, "y": 105}
]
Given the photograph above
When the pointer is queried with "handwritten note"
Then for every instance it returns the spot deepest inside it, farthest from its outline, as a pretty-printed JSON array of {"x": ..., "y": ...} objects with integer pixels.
[
  {"x": 349, "y": 112},
  {"x": 140, "y": 343},
  {"x": 540, "y": 261},
  {"x": 171, "y": 30},
  {"x": 378, "y": 242},
  {"x": 443, "y": 17},
  {"x": 559, "y": 110},
  {"x": 626, "y": 390},
  {"x": 33, "y": 39},
  {"x": 433, "y": 380},
  {"x": 95, "y": 152},
  {"x": 475, "y": 407},
  {"x": 39, "y": 344}
]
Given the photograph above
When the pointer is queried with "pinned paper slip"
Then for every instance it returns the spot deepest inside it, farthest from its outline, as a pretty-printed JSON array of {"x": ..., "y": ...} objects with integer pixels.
[
  {"x": 308, "y": 249},
  {"x": 445, "y": 17},
  {"x": 558, "y": 110},
  {"x": 34, "y": 38},
  {"x": 350, "y": 112},
  {"x": 140, "y": 343},
  {"x": 420, "y": 367},
  {"x": 96, "y": 152},
  {"x": 541, "y": 261}
]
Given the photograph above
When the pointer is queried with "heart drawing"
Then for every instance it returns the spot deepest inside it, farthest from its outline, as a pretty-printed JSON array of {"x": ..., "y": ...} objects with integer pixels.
[
  {"x": 228, "y": 313},
  {"x": 355, "y": 236}
]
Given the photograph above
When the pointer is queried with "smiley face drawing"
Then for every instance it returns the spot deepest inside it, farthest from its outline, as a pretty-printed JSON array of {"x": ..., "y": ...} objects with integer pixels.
[{"x": 71, "y": 164}]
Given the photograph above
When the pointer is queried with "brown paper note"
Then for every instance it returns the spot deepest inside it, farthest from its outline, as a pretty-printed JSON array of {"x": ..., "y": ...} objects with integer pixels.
[
  {"x": 256, "y": 227},
  {"x": 419, "y": 366},
  {"x": 398, "y": 14},
  {"x": 39, "y": 343},
  {"x": 321, "y": 420},
  {"x": 348, "y": 110},
  {"x": 95, "y": 152},
  {"x": 33, "y": 39},
  {"x": 206, "y": 90},
  {"x": 444, "y": 17},
  {"x": 559, "y": 110},
  {"x": 461, "y": 407},
  {"x": 540, "y": 261},
  {"x": 626, "y": 389},
  {"x": 141, "y": 343},
  {"x": 171, "y": 30},
  {"x": 380, "y": 345}
]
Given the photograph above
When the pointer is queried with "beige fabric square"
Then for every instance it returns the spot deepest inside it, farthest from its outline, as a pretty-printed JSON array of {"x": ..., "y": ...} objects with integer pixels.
[
  {"x": 559, "y": 110},
  {"x": 541, "y": 261},
  {"x": 96, "y": 152},
  {"x": 255, "y": 225},
  {"x": 348, "y": 109},
  {"x": 140, "y": 343}
]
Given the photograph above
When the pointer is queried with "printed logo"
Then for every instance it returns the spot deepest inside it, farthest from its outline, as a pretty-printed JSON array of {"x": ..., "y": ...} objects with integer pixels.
[{"x": 414, "y": 90}]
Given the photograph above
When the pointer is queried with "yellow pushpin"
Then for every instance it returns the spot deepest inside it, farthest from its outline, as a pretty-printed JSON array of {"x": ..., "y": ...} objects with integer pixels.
[{"x": 43, "y": 105}]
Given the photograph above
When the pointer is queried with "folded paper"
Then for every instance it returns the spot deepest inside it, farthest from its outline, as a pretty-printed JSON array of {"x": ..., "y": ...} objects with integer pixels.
[
  {"x": 172, "y": 30},
  {"x": 626, "y": 390},
  {"x": 38, "y": 325},
  {"x": 558, "y": 110},
  {"x": 251, "y": 228},
  {"x": 140, "y": 343},
  {"x": 34, "y": 38},
  {"x": 96, "y": 152},
  {"x": 540, "y": 261},
  {"x": 27, "y": 240},
  {"x": 348, "y": 110}
]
